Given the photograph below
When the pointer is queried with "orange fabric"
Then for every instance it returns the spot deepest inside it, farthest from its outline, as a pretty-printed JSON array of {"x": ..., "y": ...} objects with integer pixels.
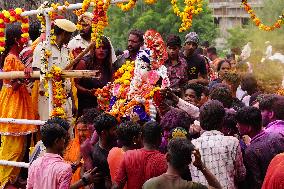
[
  {"x": 15, "y": 104},
  {"x": 275, "y": 173},
  {"x": 114, "y": 159},
  {"x": 72, "y": 155}
]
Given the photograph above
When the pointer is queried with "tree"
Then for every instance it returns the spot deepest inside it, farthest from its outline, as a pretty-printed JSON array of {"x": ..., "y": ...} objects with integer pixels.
[
  {"x": 268, "y": 14},
  {"x": 160, "y": 17}
]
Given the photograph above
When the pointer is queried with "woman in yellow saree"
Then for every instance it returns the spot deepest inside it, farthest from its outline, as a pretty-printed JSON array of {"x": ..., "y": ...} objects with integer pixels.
[{"x": 15, "y": 102}]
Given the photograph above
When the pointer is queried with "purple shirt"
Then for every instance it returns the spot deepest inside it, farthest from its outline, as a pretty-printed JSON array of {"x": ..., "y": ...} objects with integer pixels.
[
  {"x": 49, "y": 172},
  {"x": 264, "y": 146},
  {"x": 177, "y": 73}
]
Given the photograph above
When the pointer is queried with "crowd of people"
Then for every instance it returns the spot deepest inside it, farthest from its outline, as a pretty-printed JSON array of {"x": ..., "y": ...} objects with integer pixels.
[{"x": 214, "y": 127}]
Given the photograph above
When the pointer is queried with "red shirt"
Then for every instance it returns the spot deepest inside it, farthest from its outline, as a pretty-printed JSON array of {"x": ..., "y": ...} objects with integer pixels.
[{"x": 140, "y": 165}]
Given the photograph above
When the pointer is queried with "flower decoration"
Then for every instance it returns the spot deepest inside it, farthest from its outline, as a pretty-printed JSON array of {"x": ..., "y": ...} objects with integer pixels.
[
  {"x": 126, "y": 7},
  {"x": 178, "y": 132},
  {"x": 154, "y": 41},
  {"x": 150, "y": 2},
  {"x": 257, "y": 20},
  {"x": 100, "y": 20},
  {"x": 85, "y": 7},
  {"x": 9, "y": 17},
  {"x": 192, "y": 7}
]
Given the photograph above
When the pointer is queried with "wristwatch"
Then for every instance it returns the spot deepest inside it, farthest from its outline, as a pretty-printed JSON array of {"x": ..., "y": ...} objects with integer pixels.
[{"x": 85, "y": 181}]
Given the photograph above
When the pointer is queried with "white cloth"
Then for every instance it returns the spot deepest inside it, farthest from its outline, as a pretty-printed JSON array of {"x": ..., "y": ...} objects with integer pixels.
[
  {"x": 222, "y": 156},
  {"x": 60, "y": 58},
  {"x": 189, "y": 108},
  {"x": 78, "y": 42},
  {"x": 246, "y": 52},
  {"x": 277, "y": 57},
  {"x": 268, "y": 52},
  {"x": 246, "y": 100},
  {"x": 240, "y": 93}
]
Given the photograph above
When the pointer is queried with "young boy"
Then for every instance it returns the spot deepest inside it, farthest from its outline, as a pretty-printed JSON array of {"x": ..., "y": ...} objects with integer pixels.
[{"x": 50, "y": 171}]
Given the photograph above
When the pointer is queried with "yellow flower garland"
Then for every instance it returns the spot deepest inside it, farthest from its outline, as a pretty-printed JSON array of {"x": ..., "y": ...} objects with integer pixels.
[
  {"x": 150, "y": 2},
  {"x": 189, "y": 10},
  {"x": 126, "y": 7},
  {"x": 257, "y": 20}
]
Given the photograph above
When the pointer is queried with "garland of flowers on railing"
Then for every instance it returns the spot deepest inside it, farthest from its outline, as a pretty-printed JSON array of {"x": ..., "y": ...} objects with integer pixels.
[
  {"x": 9, "y": 17},
  {"x": 257, "y": 20}
]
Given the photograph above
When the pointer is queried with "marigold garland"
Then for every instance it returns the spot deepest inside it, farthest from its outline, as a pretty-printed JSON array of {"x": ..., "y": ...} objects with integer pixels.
[
  {"x": 9, "y": 17},
  {"x": 100, "y": 20},
  {"x": 192, "y": 7},
  {"x": 150, "y": 2},
  {"x": 126, "y": 7},
  {"x": 257, "y": 20}
]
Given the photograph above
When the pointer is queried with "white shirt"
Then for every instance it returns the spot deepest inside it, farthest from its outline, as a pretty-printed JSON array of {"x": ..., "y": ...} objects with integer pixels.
[
  {"x": 78, "y": 42},
  {"x": 60, "y": 58},
  {"x": 246, "y": 52},
  {"x": 222, "y": 156}
]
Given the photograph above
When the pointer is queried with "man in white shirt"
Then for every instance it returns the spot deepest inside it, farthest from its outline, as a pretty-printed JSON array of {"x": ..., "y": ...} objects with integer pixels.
[
  {"x": 221, "y": 154},
  {"x": 63, "y": 30}
]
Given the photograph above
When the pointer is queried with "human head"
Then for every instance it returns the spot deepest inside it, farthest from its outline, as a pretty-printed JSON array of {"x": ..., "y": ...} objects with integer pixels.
[
  {"x": 152, "y": 134},
  {"x": 54, "y": 136},
  {"x": 232, "y": 80},
  {"x": 175, "y": 118},
  {"x": 63, "y": 30},
  {"x": 212, "y": 53},
  {"x": 173, "y": 46},
  {"x": 249, "y": 84},
  {"x": 231, "y": 58},
  {"x": 192, "y": 93},
  {"x": 212, "y": 115},
  {"x": 129, "y": 134},
  {"x": 223, "y": 95},
  {"x": 266, "y": 107},
  {"x": 179, "y": 153},
  {"x": 34, "y": 30},
  {"x": 249, "y": 121},
  {"x": 85, "y": 124},
  {"x": 13, "y": 37},
  {"x": 135, "y": 41},
  {"x": 204, "y": 96},
  {"x": 105, "y": 125},
  {"x": 191, "y": 43},
  {"x": 85, "y": 20},
  {"x": 223, "y": 67},
  {"x": 205, "y": 45},
  {"x": 230, "y": 123}
]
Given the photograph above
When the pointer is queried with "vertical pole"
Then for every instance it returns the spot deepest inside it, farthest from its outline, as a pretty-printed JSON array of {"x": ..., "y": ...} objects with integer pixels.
[{"x": 48, "y": 47}]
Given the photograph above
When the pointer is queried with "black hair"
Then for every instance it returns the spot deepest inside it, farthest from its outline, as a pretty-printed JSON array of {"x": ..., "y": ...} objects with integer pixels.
[
  {"x": 249, "y": 83},
  {"x": 199, "y": 50},
  {"x": 250, "y": 116},
  {"x": 232, "y": 78},
  {"x": 176, "y": 118},
  {"x": 137, "y": 33},
  {"x": 212, "y": 115},
  {"x": 118, "y": 52},
  {"x": 104, "y": 122},
  {"x": 219, "y": 65},
  {"x": 58, "y": 30},
  {"x": 180, "y": 151},
  {"x": 151, "y": 132},
  {"x": 267, "y": 101},
  {"x": 223, "y": 95},
  {"x": 205, "y": 44},
  {"x": 13, "y": 33},
  {"x": 212, "y": 50},
  {"x": 278, "y": 108},
  {"x": 51, "y": 131},
  {"x": 255, "y": 98},
  {"x": 60, "y": 121},
  {"x": 89, "y": 116},
  {"x": 205, "y": 90},
  {"x": 198, "y": 88},
  {"x": 34, "y": 30},
  {"x": 173, "y": 40},
  {"x": 230, "y": 122},
  {"x": 127, "y": 131},
  {"x": 108, "y": 62}
]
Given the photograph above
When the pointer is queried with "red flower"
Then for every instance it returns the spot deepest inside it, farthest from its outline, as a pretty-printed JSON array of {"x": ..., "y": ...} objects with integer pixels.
[{"x": 2, "y": 34}]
